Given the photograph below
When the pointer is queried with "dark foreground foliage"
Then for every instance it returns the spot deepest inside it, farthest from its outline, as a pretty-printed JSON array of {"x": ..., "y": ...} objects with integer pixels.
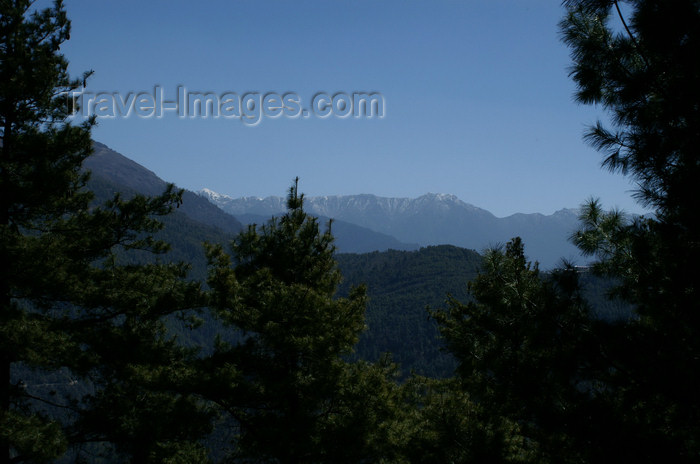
[{"x": 92, "y": 370}]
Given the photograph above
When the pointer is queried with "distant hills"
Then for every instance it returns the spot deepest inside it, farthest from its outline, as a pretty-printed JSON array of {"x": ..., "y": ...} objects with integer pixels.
[
  {"x": 431, "y": 219},
  {"x": 114, "y": 172},
  {"x": 362, "y": 223},
  {"x": 401, "y": 282},
  {"x": 349, "y": 238}
]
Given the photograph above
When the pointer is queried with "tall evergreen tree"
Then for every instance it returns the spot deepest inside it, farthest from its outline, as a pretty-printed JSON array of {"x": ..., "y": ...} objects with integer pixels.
[
  {"x": 281, "y": 376},
  {"x": 81, "y": 333},
  {"x": 521, "y": 345},
  {"x": 639, "y": 60},
  {"x": 582, "y": 389}
]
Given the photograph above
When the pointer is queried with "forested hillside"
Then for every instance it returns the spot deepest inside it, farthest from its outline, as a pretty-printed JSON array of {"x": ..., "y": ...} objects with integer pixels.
[
  {"x": 401, "y": 285},
  {"x": 184, "y": 235}
]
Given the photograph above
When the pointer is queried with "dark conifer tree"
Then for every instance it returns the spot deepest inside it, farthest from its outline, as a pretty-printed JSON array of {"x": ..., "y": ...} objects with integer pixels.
[
  {"x": 587, "y": 390},
  {"x": 523, "y": 350},
  {"x": 281, "y": 376},
  {"x": 639, "y": 60},
  {"x": 83, "y": 345}
]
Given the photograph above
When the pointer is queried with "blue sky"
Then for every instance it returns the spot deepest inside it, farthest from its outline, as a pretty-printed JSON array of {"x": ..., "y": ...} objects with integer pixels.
[{"x": 477, "y": 99}]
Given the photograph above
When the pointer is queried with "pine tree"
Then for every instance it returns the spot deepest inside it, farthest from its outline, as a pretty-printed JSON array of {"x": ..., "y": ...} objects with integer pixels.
[
  {"x": 81, "y": 333},
  {"x": 279, "y": 374},
  {"x": 522, "y": 348},
  {"x": 639, "y": 61},
  {"x": 582, "y": 389},
  {"x": 443, "y": 425}
]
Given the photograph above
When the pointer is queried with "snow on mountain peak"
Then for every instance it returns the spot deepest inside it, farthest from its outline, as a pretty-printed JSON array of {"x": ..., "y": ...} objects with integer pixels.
[
  {"x": 214, "y": 196},
  {"x": 445, "y": 197}
]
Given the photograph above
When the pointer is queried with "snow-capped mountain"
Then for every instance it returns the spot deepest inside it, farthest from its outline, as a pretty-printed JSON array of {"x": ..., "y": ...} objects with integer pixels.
[{"x": 430, "y": 219}]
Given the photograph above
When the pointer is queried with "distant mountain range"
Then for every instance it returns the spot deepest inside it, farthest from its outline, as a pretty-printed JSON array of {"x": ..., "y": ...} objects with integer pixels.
[
  {"x": 362, "y": 223},
  {"x": 431, "y": 219},
  {"x": 113, "y": 172},
  {"x": 401, "y": 282}
]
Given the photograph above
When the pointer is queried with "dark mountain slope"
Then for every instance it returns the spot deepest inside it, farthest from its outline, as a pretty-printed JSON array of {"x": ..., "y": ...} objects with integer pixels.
[
  {"x": 122, "y": 172},
  {"x": 349, "y": 238}
]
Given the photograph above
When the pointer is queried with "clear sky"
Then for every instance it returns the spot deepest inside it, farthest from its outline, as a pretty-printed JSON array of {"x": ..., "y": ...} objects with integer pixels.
[{"x": 478, "y": 102}]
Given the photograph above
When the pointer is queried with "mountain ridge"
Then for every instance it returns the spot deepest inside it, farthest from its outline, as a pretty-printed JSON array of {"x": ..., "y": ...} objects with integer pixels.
[
  {"x": 270, "y": 200},
  {"x": 428, "y": 220},
  {"x": 113, "y": 172},
  {"x": 108, "y": 164}
]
